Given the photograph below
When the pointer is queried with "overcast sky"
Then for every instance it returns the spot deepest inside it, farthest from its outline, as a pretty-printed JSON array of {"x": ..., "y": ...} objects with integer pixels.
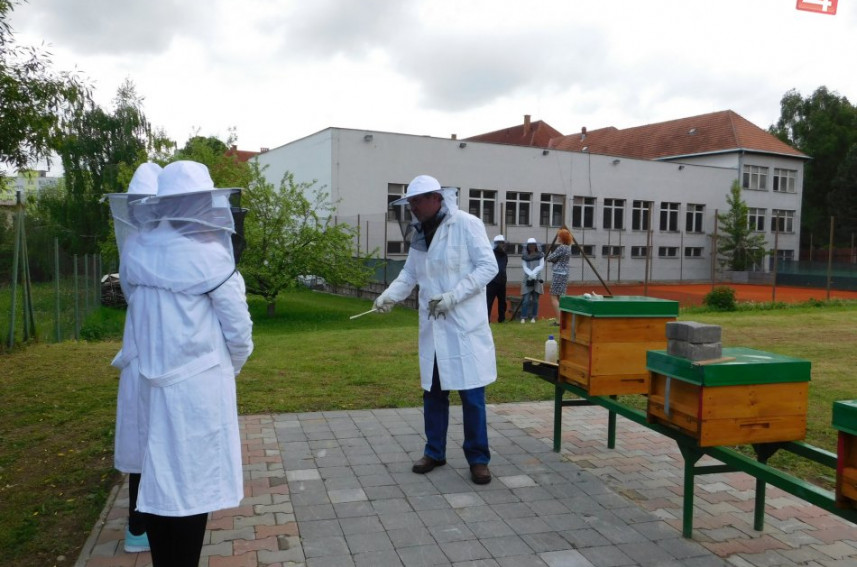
[{"x": 278, "y": 70}]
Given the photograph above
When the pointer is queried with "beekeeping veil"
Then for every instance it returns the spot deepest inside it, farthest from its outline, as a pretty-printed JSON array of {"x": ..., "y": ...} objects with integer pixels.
[
  {"x": 180, "y": 239},
  {"x": 411, "y": 227}
]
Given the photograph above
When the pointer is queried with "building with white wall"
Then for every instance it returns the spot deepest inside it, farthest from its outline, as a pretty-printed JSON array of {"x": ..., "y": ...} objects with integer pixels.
[{"x": 628, "y": 213}]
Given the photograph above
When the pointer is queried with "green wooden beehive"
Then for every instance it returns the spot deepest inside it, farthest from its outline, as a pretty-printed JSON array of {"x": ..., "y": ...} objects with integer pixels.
[{"x": 748, "y": 396}]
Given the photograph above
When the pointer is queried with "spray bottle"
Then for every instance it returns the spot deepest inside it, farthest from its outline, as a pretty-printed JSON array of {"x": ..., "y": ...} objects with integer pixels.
[{"x": 551, "y": 350}]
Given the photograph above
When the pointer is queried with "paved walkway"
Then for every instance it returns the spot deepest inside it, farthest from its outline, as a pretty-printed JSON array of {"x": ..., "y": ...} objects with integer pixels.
[{"x": 335, "y": 489}]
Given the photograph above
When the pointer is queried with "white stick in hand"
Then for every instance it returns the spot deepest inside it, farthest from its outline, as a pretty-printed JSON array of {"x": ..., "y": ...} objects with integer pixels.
[{"x": 362, "y": 314}]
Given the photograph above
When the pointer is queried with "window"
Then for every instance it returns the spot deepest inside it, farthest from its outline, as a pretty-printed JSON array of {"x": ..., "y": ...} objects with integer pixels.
[
  {"x": 640, "y": 215},
  {"x": 639, "y": 251},
  {"x": 756, "y": 219},
  {"x": 785, "y": 255},
  {"x": 694, "y": 218},
  {"x": 610, "y": 251},
  {"x": 588, "y": 249},
  {"x": 399, "y": 213},
  {"x": 755, "y": 177},
  {"x": 614, "y": 214},
  {"x": 669, "y": 217},
  {"x": 693, "y": 251},
  {"x": 551, "y": 210},
  {"x": 667, "y": 251},
  {"x": 518, "y": 208},
  {"x": 397, "y": 247},
  {"x": 583, "y": 212},
  {"x": 482, "y": 203},
  {"x": 782, "y": 220},
  {"x": 784, "y": 180}
]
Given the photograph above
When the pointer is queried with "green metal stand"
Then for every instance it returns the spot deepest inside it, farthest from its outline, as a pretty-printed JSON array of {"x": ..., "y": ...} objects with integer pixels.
[{"x": 732, "y": 461}]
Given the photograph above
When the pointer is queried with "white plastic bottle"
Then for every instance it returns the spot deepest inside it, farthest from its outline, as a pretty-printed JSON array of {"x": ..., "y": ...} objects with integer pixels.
[{"x": 551, "y": 350}]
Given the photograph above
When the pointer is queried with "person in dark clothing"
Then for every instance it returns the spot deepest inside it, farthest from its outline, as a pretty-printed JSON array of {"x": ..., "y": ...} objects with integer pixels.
[{"x": 496, "y": 288}]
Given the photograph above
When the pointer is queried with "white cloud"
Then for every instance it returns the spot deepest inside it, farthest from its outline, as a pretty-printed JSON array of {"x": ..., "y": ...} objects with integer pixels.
[{"x": 281, "y": 69}]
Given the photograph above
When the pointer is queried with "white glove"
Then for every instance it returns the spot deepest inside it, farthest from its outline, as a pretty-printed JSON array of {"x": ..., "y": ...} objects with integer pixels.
[
  {"x": 441, "y": 305},
  {"x": 383, "y": 304}
]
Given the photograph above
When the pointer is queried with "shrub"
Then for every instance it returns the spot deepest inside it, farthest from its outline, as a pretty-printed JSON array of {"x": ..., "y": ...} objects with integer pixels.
[{"x": 720, "y": 298}]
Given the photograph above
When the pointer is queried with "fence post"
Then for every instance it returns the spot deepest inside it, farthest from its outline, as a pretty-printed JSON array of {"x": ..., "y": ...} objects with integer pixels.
[
  {"x": 830, "y": 260},
  {"x": 57, "y": 331},
  {"x": 76, "y": 303}
]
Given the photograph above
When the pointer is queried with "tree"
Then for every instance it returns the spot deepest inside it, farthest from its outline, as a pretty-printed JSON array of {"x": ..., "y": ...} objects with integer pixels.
[
  {"x": 99, "y": 151},
  {"x": 33, "y": 98},
  {"x": 739, "y": 246},
  {"x": 823, "y": 126},
  {"x": 843, "y": 197},
  {"x": 225, "y": 170},
  {"x": 291, "y": 232}
]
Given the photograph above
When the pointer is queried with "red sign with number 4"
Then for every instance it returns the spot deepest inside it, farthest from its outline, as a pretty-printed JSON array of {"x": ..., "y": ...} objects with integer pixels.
[{"x": 820, "y": 6}]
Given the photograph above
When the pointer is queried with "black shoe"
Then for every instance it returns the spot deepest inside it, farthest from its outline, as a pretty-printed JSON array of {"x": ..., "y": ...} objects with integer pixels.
[
  {"x": 480, "y": 474},
  {"x": 426, "y": 464}
]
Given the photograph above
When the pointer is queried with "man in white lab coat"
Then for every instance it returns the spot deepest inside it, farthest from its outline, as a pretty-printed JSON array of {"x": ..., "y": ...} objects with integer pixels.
[
  {"x": 451, "y": 260},
  {"x": 192, "y": 330}
]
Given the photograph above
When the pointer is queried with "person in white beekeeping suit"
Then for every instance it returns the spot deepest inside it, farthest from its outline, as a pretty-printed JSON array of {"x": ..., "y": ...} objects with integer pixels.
[
  {"x": 192, "y": 330},
  {"x": 130, "y": 417},
  {"x": 452, "y": 261}
]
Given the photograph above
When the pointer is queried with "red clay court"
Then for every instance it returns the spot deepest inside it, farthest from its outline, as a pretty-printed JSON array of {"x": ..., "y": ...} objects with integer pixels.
[{"x": 690, "y": 294}]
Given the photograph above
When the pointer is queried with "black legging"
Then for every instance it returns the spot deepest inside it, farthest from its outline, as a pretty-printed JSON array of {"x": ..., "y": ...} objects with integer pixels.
[
  {"x": 176, "y": 541},
  {"x": 136, "y": 520}
]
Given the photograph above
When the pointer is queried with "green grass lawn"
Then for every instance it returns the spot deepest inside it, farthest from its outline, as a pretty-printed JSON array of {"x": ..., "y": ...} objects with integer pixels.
[{"x": 58, "y": 405}]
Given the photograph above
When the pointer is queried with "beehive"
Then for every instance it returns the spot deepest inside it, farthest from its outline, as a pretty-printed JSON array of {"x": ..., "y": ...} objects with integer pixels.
[
  {"x": 750, "y": 396},
  {"x": 603, "y": 341},
  {"x": 845, "y": 420}
]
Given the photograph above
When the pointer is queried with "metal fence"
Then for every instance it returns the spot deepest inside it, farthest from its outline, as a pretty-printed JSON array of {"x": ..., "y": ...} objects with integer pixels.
[{"x": 45, "y": 292}]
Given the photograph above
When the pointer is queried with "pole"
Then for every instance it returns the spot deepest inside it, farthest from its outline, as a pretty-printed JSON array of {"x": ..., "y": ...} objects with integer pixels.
[
  {"x": 714, "y": 249},
  {"x": 57, "y": 332},
  {"x": 585, "y": 257},
  {"x": 648, "y": 253},
  {"x": 830, "y": 260},
  {"x": 776, "y": 253}
]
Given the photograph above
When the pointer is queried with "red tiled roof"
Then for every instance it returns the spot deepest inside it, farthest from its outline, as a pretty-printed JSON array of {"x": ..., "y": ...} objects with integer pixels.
[
  {"x": 243, "y": 155},
  {"x": 716, "y": 132},
  {"x": 538, "y": 134}
]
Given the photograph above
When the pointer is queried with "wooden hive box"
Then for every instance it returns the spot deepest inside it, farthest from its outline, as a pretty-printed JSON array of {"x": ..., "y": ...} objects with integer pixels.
[
  {"x": 749, "y": 396},
  {"x": 603, "y": 342},
  {"x": 845, "y": 420}
]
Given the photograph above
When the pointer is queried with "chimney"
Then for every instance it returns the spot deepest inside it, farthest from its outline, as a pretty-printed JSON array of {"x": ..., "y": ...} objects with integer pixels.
[
  {"x": 583, "y": 133},
  {"x": 263, "y": 150},
  {"x": 455, "y": 136},
  {"x": 526, "y": 124},
  {"x": 233, "y": 148}
]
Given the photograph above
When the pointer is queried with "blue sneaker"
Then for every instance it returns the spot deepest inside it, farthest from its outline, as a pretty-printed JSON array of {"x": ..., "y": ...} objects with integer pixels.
[{"x": 136, "y": 543}]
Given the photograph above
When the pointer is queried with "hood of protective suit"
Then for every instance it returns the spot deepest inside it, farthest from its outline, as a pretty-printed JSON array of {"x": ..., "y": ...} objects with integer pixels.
[{"x": 179, "y": 240}]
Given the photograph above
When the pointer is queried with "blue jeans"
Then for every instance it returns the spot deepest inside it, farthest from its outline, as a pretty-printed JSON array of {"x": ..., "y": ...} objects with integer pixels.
[
  {"x": 436, "y": 416},
  {"x": 530, "y": 306}
]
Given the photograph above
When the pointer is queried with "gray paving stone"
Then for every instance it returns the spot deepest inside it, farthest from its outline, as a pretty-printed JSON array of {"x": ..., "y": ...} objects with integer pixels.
[
  {"x": 423, "y": 556},
  {"x": 506, "y": 546},
  {"x": 333, "y": 561},
  {"x": 324, "y": 546},
  {"x": 361, "y": 525},
  {"x": 607, "y": 556},
  {"x": 377, "y": 559},
  {"x": 374, "y": 541},
  {"x": 484, "y": 530},
  {"x": 586, "y": 537},
  {"x": 410, "y": 537},
  {"x": 566, "y": 558},
  {"x": 521, "y": 561},
  {"x": 320, "y": 528},
  {"x": 465, "y": 551},
  {"x": 437, "y": 517},
  {"x": 451, "y": 532}
]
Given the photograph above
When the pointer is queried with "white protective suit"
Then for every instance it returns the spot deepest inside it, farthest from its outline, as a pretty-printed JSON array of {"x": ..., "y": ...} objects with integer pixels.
[
  {"x": 192, "y": 330},
  {"x": 459, "y": 260},
  {"x": 131, "y": 416}
]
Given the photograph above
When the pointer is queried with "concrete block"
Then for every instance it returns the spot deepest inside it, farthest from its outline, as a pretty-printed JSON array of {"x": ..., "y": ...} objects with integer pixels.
[
  {"x": 693, "y": 332},
  {"x": 692, "y": 351}
]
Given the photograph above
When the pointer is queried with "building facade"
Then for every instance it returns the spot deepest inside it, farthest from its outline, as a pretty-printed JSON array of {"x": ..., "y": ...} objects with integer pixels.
[{"x": 634, "y": 218}]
